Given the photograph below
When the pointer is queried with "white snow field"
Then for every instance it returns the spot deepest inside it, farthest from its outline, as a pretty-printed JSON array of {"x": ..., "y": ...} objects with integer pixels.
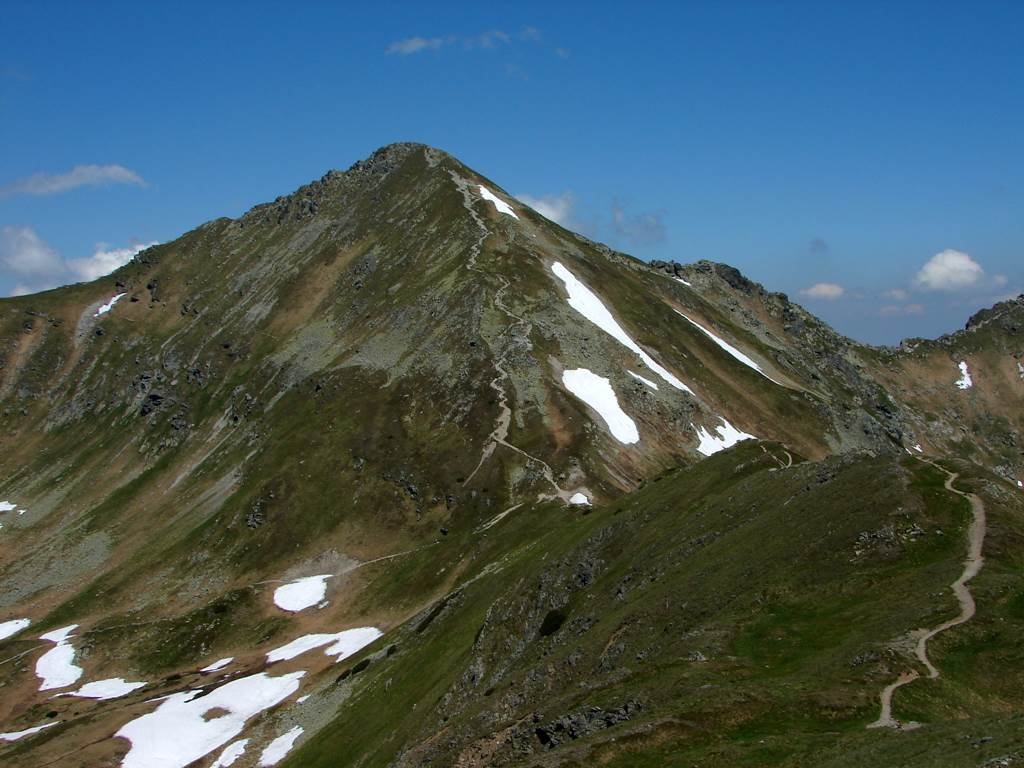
[
  {"x": 596, "y": 391},
  {"x": 15, "y": 735},
  {"x": 231, "y": 753},
  {"x": 341, "y": 644},
  {"x": 177, "y": 732},
  {"x": 579, "y": 498},
  {"x": 300, "y": 594},
  {"x": 56, "y": 667},
  {"x": 279, "y": 747},
  {"x": 648, "y": 382},
  {"x": 747, "y": 361},
  {"x": 218, "y": 665},
  {"x": 113, "y": 688},
  {"x": 12, "y": 627},
  {"x": 727, "y": 437},
  {"x": 500, "y": 204},
  {"x": 584, "y": 301},
  {"x": 965, "y": 381},
  {"x": 108, "y": 306}
]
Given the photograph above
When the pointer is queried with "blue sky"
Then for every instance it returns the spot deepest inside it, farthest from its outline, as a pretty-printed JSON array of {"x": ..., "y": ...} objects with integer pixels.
[{"x": 866, "y": 158}]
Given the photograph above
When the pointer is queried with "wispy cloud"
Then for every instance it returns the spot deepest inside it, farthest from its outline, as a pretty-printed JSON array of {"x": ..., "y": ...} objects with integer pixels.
[
  {"x": 817, "y": 247},
  {"x": 638, "y": 228},
  {"x": 411, "y": 45},
  {"x": 24, "y": 254},
  {"x": 824, "y": 291},
  {"x": 79, "y": 176},
  {"x": 890, "y": 310},
  {"x": 558, "y": 208},
  {"x": 37, "y": 267},
  {"x": 488, "y": 39}
]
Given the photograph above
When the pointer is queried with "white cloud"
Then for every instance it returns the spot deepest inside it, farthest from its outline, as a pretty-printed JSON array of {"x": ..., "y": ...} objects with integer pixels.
[
  {"x": 103, "y": 261},
  {"x": 558, "y": 208},
  {"x": 491, "y": 38},
  {"x": 38, "y": 267},
  {"x": 949, "y": 271},
  {"x": 826, "y": 291},
  {"x": 79, "y": 176},
  {"x": 416, "y": 44},
  {"x": 24, "y": 253},
  {"x": 896, "y": 294}
]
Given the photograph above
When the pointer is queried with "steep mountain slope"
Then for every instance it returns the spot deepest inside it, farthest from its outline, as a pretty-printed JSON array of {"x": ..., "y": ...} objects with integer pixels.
[{"x": 402, "y": 380}]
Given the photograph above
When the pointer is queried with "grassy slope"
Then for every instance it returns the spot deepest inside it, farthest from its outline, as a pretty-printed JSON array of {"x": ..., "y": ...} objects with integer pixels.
[{"x": 757, "y": 571}]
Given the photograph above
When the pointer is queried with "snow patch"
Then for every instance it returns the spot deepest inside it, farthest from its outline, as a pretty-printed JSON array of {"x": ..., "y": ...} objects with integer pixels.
[
  {"x": 728, "y": 436},
  {"x": 15, "y": 735},
  {"x": 918, "y": 448},
  {"x": 1020, "y": 369},
  {"x": 342, "y": 644},
  {"x": 301, "y": 593},
  {"x": 104, "y": 308},
  {"x": 579, "y": 498},
  {"x": 176, "y": 733},
  {"x": 584, "y": 301},
  {"x": 648, "y": 382},
  {"x": 219, "y": 664},
  {"x": 56, "y": 667},
  {"x": 231, "y": 753},
  {"x": 12, "y": 627},
  {"x": 279, "y": 747},
  {"x": 684, "y": 282},
  {"x": 6, "y": 506},
  {"x": 113, "y": 688},
  {"x": 747, "y": 361},
  {"x": 965, "y": 381},
  {"x": 500, "y": 204},
  {"x": 596, "y": 391}
]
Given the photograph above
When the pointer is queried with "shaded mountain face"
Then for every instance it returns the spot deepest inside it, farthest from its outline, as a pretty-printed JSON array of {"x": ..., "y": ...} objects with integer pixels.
[{"x": 403, "y": 388}]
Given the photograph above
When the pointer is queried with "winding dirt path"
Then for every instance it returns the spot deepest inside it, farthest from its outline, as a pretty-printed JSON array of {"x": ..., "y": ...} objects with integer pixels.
[
  {"x": 972, "y": 565},
  {"x": 499, "y": 436}
]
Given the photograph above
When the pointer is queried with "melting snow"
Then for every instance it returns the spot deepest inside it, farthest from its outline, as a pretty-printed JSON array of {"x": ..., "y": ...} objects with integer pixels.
[
  {"x": 301, "y": 699},
  {"x": 6, "y": 506},
  {"x": 500, "y": 204},
  {"x": 728, "y": 436},
  {"x": 231, "y": 752},
  {"x": 279, "y": 747},
  {"x": 596, "y": 391},
  {"x": 1020, "y": 370},
  {"x": 12, "y": 627},
  {"x": 579, "y": 498},
  {"x": 343, "y": 644},
  {"x": 648, "y": 382},
  {"x": 113, "y": 688},
  {"x": 56, "y": 667},
  {"x": 15, "y": 735},
  {"x": 301, "y": 593},
  {"x": 684, "y": 282},
  {"x": 965, "y": 381},
  {"x": 917, "y": 447},
  {"x": 747, "y": 361},
  {"x": 220, "y": 664},
  {"x": 176, "y": 733},
  {"x": 108, "y": 306},
  {"x": 584, "y": 301}
]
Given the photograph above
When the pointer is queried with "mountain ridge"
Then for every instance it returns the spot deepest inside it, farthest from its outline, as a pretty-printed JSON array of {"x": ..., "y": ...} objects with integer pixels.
[{"x": 377, "y": 379}]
